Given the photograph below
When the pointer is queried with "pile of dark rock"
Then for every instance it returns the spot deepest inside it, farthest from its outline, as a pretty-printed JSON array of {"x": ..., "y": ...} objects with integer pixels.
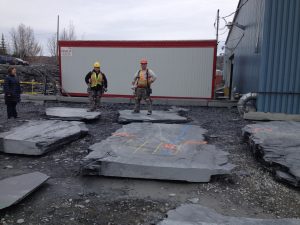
[{"x": 45, "y": 74}]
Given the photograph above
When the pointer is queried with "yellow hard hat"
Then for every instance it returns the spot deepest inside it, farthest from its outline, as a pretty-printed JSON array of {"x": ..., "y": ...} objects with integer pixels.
[{"x": 96, "y": 65}]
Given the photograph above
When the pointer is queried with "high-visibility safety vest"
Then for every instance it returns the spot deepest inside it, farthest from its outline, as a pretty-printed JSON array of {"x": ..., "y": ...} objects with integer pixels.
[
  {"x": 96, "y": 80},
  {"x": 142, "y": 79}
]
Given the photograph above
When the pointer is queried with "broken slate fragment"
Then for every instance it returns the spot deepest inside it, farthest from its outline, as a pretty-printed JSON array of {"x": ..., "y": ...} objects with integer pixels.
[
  {"x": 37, "y": 137},
  {"x": 193, "y": 214},
  {"x": 126, "y": 116},
  {"x": 14, "y": 189},
  {"x": 157, "y": 151},
  {"x": 277, "y": 143},
  {"x": 65, "y": 113}
]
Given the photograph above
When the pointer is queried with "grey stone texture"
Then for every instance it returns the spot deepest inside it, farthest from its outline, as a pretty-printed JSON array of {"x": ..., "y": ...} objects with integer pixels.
[
  {"x": 126, "y": 116},
  {"x": 157, "y": 151},
  {"x": 277, "y": 143},
  {"x": 192, "y": 214},
  {"x": 14, "y": 189},
  {"x": 37, "y": 137},
  {"x": 65, "y": 113}
]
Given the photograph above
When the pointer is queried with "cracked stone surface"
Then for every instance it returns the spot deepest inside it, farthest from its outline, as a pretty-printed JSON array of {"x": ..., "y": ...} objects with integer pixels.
[
  {"x": 277, "y": 143},
  {"x": 193, "y": 214},
  {"x": 37, "y": 137},
  {"x": 65, "y": 113},
  {"x": 157, "y": 151},
  {"x": 14, "y": 189},
  {"x": 126, "y": 116}
]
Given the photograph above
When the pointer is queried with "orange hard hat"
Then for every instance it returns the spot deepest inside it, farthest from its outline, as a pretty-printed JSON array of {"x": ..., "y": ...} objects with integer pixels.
[{"x": 144, "y": 61}]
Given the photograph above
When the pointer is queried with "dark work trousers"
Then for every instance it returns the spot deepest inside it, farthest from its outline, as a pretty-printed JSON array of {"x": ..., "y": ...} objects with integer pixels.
[
  {"x": 11, "y": 109},
  {"x": 141, "y": 93}
]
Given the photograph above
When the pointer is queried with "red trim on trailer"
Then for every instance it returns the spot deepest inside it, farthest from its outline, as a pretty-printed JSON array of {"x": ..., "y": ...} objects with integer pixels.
[
  {"x": 60, "y": 69},
  {"x": 131, "y": 96},
  {"x": 214, "y": 72},
  {"x": 139, "y": 44}
]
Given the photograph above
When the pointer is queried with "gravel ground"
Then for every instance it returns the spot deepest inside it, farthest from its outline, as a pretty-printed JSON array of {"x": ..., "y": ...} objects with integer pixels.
[{"x": 69, "y": 198}]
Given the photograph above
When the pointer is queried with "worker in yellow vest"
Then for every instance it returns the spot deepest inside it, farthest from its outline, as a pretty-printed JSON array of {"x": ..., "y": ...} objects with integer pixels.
[
  {"x": 142, "y": 81},
  {"x": 97, "y": 85}
]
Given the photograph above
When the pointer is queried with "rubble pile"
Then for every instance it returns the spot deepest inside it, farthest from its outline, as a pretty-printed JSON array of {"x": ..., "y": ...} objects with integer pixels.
[{"x": 39, "y": 73}]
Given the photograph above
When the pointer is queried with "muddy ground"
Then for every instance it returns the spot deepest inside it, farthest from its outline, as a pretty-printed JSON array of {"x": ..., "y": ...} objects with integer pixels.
[{"x": 70, "y": 198}]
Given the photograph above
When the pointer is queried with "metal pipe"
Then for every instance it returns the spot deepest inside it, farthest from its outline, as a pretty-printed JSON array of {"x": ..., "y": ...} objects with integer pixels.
[{"x": 244, "y": 100}]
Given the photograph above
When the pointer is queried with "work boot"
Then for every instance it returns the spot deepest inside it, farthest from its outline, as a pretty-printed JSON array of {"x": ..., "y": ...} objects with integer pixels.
[{"x": 149, "y": 113}]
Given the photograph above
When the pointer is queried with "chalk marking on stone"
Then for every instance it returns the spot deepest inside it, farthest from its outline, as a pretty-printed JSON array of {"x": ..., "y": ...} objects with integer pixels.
[
  {"x": 141, "y": 146},
  {"x": 193, "y": 142},
  {"x": 157, "y": 148}
]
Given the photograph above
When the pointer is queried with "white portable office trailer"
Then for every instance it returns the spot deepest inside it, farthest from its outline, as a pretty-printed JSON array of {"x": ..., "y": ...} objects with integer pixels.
[{"x": 184, "y": 69}]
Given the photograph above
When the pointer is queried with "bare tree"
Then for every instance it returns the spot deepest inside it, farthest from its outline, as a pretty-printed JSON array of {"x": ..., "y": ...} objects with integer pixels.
[
  {"x": 66, "y": 34},
  {"x": 69, "y": 33},
  {"x": 52, "y": 45},
  {"x": 24, "y": 43}
]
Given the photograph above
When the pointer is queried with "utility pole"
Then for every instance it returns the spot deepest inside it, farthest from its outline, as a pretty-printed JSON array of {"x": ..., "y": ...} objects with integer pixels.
[
  {"x": 218, "y": 18},
  {"x": 57, "y": 39},
  {"x": 217, "y": 39}
]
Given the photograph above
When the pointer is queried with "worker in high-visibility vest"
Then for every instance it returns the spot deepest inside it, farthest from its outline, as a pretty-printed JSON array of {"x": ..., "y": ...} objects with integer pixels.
[
  {"x": 142, "y": 81},
  {"x": 97, "y": 85}
]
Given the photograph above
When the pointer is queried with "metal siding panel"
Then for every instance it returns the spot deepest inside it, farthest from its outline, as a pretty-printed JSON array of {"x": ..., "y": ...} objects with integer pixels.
[
  {"x": 272, "y": 52},
  {"x": 289, "y": 60},
  {"x": 246, "y": 61},
  {"x": 182, "y": 72},
  {"x": 280, "y": 78},
  {"x": 266, "y": 47},
  {"x": 274, "y": 77},
  {"x": 295, "y": 79}
]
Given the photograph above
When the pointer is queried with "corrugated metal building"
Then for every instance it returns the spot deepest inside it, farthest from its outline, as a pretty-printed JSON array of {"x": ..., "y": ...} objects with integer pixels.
[
  {"x": 185, "y": 69},
  {"x": 264, "y": 55}
]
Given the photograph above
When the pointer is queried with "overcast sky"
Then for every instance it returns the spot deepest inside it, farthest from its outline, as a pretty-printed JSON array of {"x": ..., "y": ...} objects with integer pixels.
[{"x": 118, "y": 19}]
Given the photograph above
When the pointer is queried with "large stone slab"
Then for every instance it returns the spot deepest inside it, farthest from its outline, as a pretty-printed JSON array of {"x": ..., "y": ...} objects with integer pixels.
[
  {"x": 277, "y": 143},
  {"x": 126, "y": 116},
  {"x": 157, "y": 151},
  {"x": 37, "y": 137},
  {"x": 64, "y": 113},
  {"x": 14, "y": 189},
  {"x": 192, "y": 214}
]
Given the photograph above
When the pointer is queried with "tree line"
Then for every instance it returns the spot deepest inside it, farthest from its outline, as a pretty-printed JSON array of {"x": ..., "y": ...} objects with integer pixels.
[{"x": 22, "y": 42}]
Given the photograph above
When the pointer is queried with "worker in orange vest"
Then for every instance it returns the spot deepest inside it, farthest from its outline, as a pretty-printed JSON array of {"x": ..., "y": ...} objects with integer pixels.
[
  {"x": 142, "y": 81},
  {"x": 97, "y": 85}
]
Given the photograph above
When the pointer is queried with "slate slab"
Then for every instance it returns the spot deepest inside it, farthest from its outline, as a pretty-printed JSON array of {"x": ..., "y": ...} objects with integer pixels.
[
  {"x": 14, "y": 189},
  {"x": 73, "y": 114},
  {"x": 126, "y": 116},
  {"x": 277, "y": 143},
  {"x": 193, "y": 214},
  {"x": 157, "y": 151},
  {"x": 37, "y": 137}
]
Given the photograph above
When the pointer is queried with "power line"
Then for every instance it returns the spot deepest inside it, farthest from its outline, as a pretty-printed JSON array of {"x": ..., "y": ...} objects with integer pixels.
[
  {"x": 223, "y": 32},
  {"x": 235, "y": 10}
]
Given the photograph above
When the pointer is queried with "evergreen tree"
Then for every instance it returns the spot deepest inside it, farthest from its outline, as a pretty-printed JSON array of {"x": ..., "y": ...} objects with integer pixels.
[{"x": 3, "y": 50}]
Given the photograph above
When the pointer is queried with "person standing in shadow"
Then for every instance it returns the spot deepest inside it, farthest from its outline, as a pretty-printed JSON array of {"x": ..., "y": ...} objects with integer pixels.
[{"x": 12, "y": 92}]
